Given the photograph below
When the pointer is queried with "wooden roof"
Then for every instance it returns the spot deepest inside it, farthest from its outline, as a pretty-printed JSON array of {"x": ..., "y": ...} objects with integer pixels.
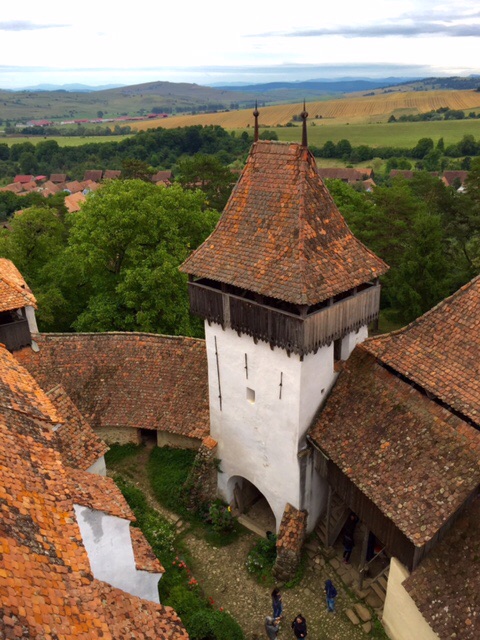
[{"x": 281, "y": 235}]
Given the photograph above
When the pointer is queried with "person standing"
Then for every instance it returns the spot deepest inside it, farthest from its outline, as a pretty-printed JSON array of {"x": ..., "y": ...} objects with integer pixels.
[
  {"x": 277, "y": 603},
  {"x": 299, "y": 626},
  {"x": 331, "y": 594},
  {"x": 271, "y": 627}
]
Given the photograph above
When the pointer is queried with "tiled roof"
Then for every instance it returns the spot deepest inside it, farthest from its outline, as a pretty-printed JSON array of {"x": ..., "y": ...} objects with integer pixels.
[
  {"x": 78, "y": 444},
  {"x": 291, "y": 533},
  {"x": 58, "y": 177},
  {"x": 440, "y": 351},
  {"x": 128, "y": 379},
  {"x": 145, "y": 559},
  {"x": 20, "y": 392},
  {"x": 162, "y": 176},
  {"x": 46, "y": 587},
  {"x": 74, "y": 201},
  {"x": 111, "y": 174},
  {"x": 14, "y": 292},
  {"x": 14, "y": 187},
  {"x": 415, "y": 460},
  {"x": 281, "y": 234},
  {"x": 93, "y": 174},
  {"x": 351, "y": 175},
  {"x": 97, "y": 492},
  {"x": 449, "y": 176},
  {"x": 50, "y": 187},
  {"x": 75, "y": 186},
  {"x": 446, "y": 586},
  {"x": 23, "y": 179}
]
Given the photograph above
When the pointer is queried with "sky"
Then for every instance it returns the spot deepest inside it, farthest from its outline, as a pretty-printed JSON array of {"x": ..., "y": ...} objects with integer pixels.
[{"x": 215, "y": 41}]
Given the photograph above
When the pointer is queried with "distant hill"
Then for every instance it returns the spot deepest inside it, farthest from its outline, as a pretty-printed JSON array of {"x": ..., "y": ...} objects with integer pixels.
[
  {"x": 79, "y": 88},
  {"x": 182, "y": 98}
]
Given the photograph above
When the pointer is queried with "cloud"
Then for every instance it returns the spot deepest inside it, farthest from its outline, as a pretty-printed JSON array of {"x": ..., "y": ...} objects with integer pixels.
[
  {"x": 25, "y": 25},
  {"x": 413, "y": 29}
]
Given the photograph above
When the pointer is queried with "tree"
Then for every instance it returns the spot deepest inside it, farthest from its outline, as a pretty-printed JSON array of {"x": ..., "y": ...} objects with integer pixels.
[
  {"x": 422, "y": 148},
  {"x": 344, "y": 148},
  {"x": 209, "y": 175},
  {"x": 133, "y": 169},
  {"x": 125, "y": 247}
]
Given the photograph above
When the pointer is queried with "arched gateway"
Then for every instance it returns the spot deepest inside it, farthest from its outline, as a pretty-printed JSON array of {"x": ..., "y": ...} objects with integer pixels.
[{"x": 246, "y": 499}]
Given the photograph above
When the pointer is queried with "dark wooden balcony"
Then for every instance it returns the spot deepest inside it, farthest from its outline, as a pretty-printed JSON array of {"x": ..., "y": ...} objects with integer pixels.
[
  {"x": 15, "y": 335},
  {"x": 299, "y": 332}
]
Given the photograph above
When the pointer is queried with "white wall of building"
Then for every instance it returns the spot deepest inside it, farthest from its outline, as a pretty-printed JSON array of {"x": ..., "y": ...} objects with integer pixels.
[
  {"x": 401, "y": 618},
  {"x": 99, "y": 467},
  {"x": 258, "y": 437},
  {"x": 109, "y": 547},
  {"x": 268, "y": 401},
  {"x": 32, "y": 321}
]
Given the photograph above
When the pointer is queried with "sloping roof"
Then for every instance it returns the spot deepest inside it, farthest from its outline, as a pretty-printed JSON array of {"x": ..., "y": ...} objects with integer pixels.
[
  {"x": 74, "y": 202},
  {"x": 77, "y": 443},
  {"x": 415, "y": 460},
  {"x": 58, "y": 177},
  {"x": 162, "y": 176},
  {"x": 14, "y": 291},
  {"x": 23, "y": 179},
  {"x": 97, "y": 492},
  {"x": 128, "y": 379},
  {"x": 145, "y": 559},
  {"x": 446, "y": 588},
  {"x": 449, "y": 176},
  {"x": 74, "y": 186},
  {"x": 93, "y": 174},
  {"x": 46, "y": 585},
  {"x": 19, "y": 391},
  {"x": 440, "y": 351},
  {"x": 281, "y": 234},
  {"x": 13, "y": 187},
  {"x": 50, "y": 187},
  {"x": 112, "y": 174}
]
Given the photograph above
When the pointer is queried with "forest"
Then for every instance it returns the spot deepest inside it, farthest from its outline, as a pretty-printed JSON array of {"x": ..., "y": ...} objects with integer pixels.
[{"x": 114, "y": 265}]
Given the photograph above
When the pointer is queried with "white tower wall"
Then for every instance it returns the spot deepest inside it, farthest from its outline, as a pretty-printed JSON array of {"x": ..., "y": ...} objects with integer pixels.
[{"x": 262, "y": 402}]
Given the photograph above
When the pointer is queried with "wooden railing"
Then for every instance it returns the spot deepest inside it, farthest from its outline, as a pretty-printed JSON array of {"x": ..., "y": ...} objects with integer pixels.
[
  {"x": 295, "y": 333},
  {"x": 15, "y": 335}
]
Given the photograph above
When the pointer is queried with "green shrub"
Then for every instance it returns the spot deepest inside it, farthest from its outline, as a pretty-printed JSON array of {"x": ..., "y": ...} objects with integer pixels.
[
  {"x": 261, "y": 559},
  {"x": 213, "y": 625},
  {"x": 221, "y": 518}
]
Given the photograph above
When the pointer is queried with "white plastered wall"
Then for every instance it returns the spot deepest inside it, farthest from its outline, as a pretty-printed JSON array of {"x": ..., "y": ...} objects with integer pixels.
[
  {"x": 32, "y": 321},
  {"x": 98, "y": 467},
  {"x": 109, "y": 548},
  {"x": 401, "y": 618},
  {"x": 259, "y": 439}
]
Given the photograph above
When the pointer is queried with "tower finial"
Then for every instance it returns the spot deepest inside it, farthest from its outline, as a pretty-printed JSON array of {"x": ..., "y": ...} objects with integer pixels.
[
  {"x": 304, "y": 116},
  {"x": 255, "y": 115}
]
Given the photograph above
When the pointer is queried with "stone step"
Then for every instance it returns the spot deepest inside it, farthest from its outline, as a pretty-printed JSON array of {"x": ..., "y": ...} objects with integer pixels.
[
  {"x": 378, "y": 590},
  {"x": 251, "y": 525},
  {"x": 383, "y": 581}
]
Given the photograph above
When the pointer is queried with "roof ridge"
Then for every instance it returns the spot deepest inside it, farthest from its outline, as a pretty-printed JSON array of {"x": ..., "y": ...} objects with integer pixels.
[{"x": 421, "y": 318}]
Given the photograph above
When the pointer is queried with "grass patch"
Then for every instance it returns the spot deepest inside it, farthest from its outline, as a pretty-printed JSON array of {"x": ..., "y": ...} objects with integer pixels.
[
  {"x": 168, "y": 470},
  {"x": 119, "y": 452}
]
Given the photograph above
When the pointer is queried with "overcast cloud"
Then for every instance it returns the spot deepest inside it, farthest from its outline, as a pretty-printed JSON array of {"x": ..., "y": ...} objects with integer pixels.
[{"x": 95, "y": 43}]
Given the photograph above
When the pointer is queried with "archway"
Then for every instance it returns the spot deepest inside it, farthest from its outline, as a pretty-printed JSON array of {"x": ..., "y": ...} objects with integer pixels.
[{"x": 251, "y": 506}]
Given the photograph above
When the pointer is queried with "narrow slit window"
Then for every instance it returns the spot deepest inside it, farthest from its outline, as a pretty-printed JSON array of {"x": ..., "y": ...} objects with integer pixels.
[{"x": 250, "y": 395}]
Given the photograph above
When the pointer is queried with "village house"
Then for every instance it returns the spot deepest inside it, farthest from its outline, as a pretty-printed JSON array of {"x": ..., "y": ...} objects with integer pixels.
[
  {"x": 17, "y": 308},
  {"x": 309, "y": 416}
]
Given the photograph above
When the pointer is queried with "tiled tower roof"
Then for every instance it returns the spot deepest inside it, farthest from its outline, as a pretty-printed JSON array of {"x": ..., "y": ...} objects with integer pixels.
[{"x": 281, "y": 235}]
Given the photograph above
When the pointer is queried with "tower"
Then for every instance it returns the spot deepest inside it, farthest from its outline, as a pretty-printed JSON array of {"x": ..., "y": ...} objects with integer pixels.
[{"x": 286, "y": 291}]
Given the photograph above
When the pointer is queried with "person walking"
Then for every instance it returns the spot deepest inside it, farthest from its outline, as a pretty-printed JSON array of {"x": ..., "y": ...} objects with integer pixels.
[
  {"x": 331, "y": 594},
  {"x": 277, "y": 603},
  {"x": 271, "y": 627},
  {"x": 299, "y": 626}
]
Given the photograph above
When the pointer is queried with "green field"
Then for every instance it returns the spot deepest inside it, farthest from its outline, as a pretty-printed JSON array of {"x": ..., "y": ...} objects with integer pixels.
[
  {"x": 395, "y": 134},
  {"x": 63, "y": 141}
]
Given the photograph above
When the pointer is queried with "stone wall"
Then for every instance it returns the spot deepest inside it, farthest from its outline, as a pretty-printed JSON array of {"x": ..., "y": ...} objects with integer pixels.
[
  {"x": 165, "y": 439},
  {"x": 201, "y": 484},
  {"x": 118, "y": 435},
  {"x": 291, "y": 537}
]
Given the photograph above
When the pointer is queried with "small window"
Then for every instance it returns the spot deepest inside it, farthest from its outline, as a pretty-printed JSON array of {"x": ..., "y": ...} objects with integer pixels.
[
  {"x": 337, "y": 350},
  {"x": 250, "y": 395}
]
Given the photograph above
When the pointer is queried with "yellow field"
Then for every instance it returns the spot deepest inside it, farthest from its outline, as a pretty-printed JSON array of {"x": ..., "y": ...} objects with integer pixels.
[{"x": 351, "y": 109}]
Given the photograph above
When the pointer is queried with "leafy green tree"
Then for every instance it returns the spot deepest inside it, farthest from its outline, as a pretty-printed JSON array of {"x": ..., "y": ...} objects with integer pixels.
[
  {"x": 420, "y": 281},
  {"x": 125, "y": 247},
  {"x": 134, "y": 169},
  {"x": 344, "y": 148},
  {"x": 422, "y": 148},
  {"x": 209, "y": 175}
]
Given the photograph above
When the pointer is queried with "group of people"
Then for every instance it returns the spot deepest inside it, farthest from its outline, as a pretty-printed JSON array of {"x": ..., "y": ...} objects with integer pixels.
[{"x": 299, "y": 624}]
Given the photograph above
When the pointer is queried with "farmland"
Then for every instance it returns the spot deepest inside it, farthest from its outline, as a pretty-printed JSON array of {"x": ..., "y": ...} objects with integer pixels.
[{"x": 352, "y": 109}]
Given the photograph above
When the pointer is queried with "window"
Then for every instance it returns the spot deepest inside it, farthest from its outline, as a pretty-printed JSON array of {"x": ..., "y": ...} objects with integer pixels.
[{"x": 250, "y": 395}]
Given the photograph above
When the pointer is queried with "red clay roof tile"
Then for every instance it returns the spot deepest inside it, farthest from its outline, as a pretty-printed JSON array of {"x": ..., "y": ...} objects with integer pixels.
[{"x": 281, "y": 234}]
